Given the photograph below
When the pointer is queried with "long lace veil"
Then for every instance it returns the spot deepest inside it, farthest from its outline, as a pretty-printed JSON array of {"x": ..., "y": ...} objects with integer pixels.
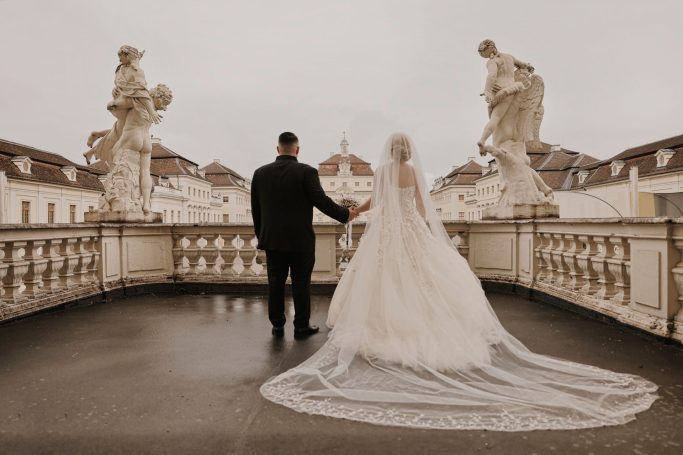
[{"x": 414, "y": 341}]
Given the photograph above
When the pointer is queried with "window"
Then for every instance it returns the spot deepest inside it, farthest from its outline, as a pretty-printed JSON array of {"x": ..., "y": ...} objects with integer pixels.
[
  {"x": 369, "y": 184},
  {"x": 50, "y": 213},
  {"x": 357, "y": 183},
  {"x": 164, "y": 216},
  {"x": 461, "y": 215},
  {"x": 72, "y": 213},
  {"x": 344, "y": 184},
  {"x": 331, "y": 183},
  {"x": 172, "y": 216},
  {"x": 194, "y": 191},
  {"x": 226, "y": 198},
  {"x": 25, "y": 212},
  {"x": 461, "y": 197},
  {"x": 189, "y": 190}
]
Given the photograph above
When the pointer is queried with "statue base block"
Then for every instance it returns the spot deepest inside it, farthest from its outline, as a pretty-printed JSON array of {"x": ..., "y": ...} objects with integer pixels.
[
  {"x": 521, "y": 211},
  {"x": 123, "y": 217}
]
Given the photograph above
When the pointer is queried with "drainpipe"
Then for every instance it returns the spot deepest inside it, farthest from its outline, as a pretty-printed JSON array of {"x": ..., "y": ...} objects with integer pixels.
[{"x": 633, "y": 177}]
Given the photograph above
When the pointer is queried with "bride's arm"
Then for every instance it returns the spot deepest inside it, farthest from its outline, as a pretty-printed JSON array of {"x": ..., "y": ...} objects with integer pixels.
[
  {"x": 418, "y": 197},
  {"x": 365, "y": 206},
  {"x": 419, "y": 203}
]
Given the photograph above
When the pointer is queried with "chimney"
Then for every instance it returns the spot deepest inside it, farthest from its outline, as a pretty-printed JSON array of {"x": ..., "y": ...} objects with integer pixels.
[
  {"x": 217, "y": 161},
  {"x": 156, "y": 140},
  {"x": 555, "y": 148},
  {"x": 470, "y": 158}
]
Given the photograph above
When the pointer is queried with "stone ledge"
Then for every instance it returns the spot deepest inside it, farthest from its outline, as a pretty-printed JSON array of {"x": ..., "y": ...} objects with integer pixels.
[{"x": 547, "y": 296}]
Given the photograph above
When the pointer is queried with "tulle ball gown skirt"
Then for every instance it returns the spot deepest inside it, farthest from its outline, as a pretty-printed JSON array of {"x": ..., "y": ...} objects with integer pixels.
[{"x": 415, "y": 343}]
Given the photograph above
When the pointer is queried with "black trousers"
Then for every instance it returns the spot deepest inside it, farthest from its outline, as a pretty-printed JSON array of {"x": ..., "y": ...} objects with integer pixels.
[{"x": 279, "y": 264}]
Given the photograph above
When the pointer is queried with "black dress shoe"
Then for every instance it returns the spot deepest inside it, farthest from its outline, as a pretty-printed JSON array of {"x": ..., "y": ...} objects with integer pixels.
[
  {"x": 278, "y": 331},
  {"x": 304, "y": 332}
]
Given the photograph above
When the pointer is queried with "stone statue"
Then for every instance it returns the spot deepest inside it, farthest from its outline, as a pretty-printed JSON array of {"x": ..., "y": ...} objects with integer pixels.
[
  {"x": 514, "y": 96},
  {"x": 126, "y": 148}
]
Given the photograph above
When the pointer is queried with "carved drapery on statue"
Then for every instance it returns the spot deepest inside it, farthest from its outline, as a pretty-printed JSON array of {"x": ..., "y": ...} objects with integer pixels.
[
  {"x": 514, "y": 95},
  {"x": 126, "y": 148}
]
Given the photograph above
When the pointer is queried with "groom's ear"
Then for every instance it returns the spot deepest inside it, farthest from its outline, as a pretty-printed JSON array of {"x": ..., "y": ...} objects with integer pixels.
[{"x": 297, "y": 150}]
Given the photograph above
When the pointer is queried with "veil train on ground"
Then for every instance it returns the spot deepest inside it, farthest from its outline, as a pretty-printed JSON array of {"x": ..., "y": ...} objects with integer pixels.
[{"x": 415, "y": 343}]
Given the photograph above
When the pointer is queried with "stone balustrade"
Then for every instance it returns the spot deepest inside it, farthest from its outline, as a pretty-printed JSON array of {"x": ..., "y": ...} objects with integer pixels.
[{"x": 630, "y": 270}]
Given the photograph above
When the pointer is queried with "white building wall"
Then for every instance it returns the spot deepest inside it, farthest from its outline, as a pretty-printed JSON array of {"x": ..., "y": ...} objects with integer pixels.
[
  {"x": 359, "y": 187},
  {"x": 449, "y": 202},
  {"x": 39, "y": 195}
]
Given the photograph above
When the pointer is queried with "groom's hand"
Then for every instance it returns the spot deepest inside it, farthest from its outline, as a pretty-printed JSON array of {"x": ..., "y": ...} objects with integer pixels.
[{"x": 353, "y": 213}]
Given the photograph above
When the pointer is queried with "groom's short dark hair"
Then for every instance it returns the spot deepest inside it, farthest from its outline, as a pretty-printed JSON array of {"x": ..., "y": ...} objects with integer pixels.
[{"x": 287, "y": 139}]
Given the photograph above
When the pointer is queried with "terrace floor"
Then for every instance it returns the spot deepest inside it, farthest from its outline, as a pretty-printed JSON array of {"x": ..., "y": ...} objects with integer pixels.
[{"x": 180, "y": 374}]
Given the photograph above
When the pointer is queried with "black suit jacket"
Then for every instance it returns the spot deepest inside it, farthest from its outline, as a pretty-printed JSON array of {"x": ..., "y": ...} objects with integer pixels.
[{"x": 283, "y": 194}]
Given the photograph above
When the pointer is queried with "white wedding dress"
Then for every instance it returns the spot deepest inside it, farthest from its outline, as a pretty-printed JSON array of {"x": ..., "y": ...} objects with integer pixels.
[{"x": 415, "y": 343}]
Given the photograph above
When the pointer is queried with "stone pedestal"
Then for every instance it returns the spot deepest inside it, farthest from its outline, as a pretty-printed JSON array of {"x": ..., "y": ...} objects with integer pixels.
[
  {"x": 521, "y": 211},
  {"x": 123, "y": 217}
]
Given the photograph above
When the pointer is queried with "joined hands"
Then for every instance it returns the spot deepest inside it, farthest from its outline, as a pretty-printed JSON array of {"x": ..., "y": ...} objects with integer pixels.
[{"x": 353, "y": 214}]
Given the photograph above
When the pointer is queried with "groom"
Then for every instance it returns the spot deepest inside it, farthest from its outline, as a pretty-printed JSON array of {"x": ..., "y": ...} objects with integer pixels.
[{"x": 283, "y": 194}]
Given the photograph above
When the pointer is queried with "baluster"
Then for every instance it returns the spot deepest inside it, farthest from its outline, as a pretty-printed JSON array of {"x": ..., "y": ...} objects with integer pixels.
[
  {"x": 570, "y": 258},
  {"x": 238, "y": 263},
  {"x": 66, "y": 272},
  {"x": 256, "y": 267},
  {"x": 81, "y": 269},
  {"x": 248, "y": 254},
  {"x": 343, "y": 254},
  {"x": 560, "y": 266},
  {"x": 17, "y": 268},
  {"x": 33, "y": 280},
  {"x": 548, "y": 258},
  {"x": 620, "y": 267},
  {"x": 94, "y": 263},
  {"x": 193, "y": 253},
  {"x": 538, "y": 253},
  {"x": 211, "y": 254},
  {"x": 55, "y": 261},
  {"x": 3, "y": 273},
  {"x": 677, "y": 272},
  {"x": 228, "y": 255},
  {"x": 585, "y": 261},
  {"x": 605, "y": 278},
  {"x": 179, "y": 254}
]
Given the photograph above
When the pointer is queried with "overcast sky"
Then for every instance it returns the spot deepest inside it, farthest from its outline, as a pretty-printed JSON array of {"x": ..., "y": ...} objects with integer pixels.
[{"x": 244, "y": 71}]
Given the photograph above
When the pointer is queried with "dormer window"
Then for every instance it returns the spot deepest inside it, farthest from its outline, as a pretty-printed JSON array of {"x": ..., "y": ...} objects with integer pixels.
[
  {"x": 202, "y": 173},
  {"x": 663, "y": 156},
  {"x": 193, "y": 169},
  {"x": 23, "y": 163},
  {"x": 583, "y": 175},
  {"x": 617, "y": 166},
  {"x": 163, "y": 181},
  {"x": 70, "y": 173}
]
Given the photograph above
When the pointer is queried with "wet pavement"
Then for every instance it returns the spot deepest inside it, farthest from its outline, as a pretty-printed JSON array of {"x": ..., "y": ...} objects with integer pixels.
[{"x": 180, "y": 374}]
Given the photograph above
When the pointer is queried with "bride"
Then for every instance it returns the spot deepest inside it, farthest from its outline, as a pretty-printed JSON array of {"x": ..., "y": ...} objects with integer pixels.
[{"x": 415, "y": 343}]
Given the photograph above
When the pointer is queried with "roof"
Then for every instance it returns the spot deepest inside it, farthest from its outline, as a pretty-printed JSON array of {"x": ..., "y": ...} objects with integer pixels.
[
  {"x": 643, "y": 156},
  {"x": 221, "y": 175},
  {"x": 359, "y": 167},
  {"x": 650, "y": 148},
  {"x": 45, "y": 167}
]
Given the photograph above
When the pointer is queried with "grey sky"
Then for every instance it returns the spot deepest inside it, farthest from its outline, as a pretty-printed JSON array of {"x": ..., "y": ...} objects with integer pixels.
[{"x": 243, "y": 71}]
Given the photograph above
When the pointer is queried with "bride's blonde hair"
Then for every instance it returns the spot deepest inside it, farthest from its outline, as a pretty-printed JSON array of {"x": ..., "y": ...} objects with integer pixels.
[{"x": 400, "y": 147}]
